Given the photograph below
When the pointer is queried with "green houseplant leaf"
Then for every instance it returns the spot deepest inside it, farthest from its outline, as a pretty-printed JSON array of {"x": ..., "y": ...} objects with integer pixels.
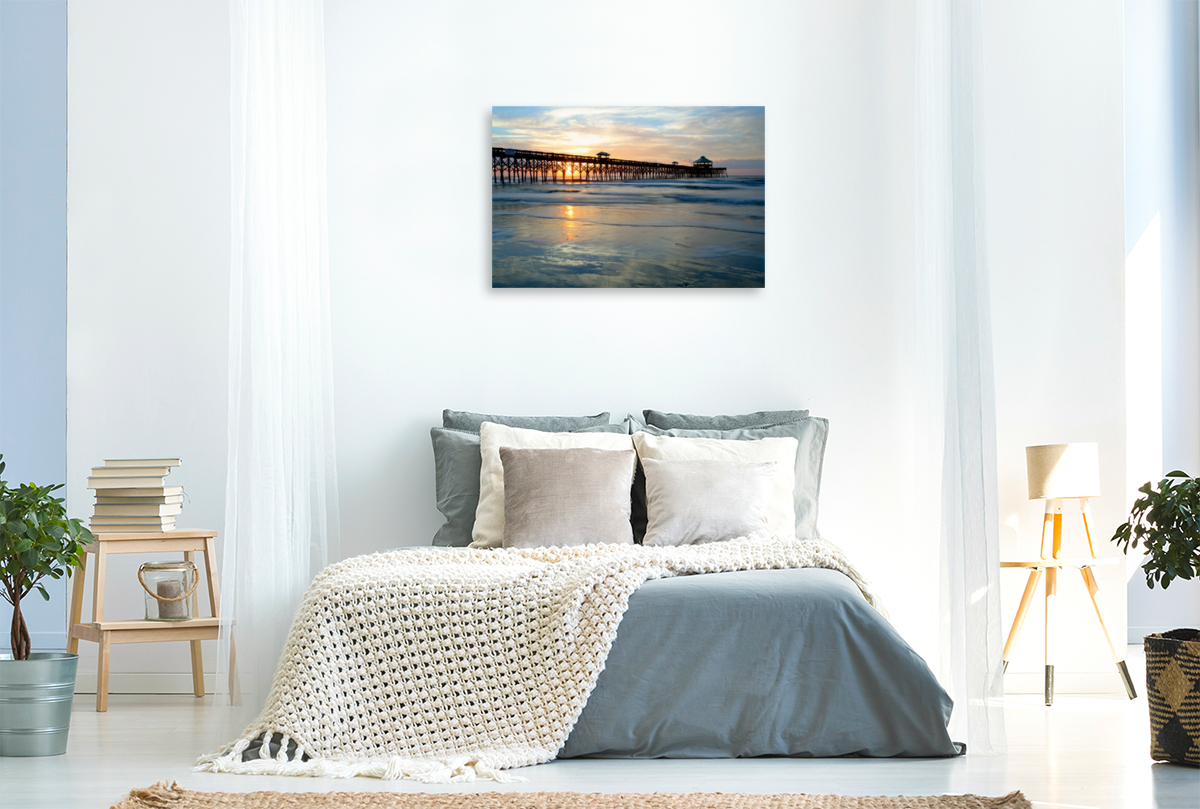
[
  {"x": 36, "y": 540},
  {"x": 1165, "y": 522}
]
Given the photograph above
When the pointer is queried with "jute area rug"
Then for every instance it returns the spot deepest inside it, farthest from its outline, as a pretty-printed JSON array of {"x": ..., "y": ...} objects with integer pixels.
[{"x": 162, "y": 796}]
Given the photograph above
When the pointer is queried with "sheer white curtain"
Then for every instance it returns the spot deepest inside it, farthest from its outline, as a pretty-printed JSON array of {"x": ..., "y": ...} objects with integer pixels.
[
  {"x": 957, "y": 426},
  {"x": 281, "y": 508}
]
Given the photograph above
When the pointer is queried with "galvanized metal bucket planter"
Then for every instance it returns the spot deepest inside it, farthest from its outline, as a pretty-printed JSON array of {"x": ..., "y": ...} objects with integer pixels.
[{"x": 35, "y": 703}]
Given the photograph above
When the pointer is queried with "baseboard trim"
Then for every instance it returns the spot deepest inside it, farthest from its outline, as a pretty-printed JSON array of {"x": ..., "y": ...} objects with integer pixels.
[
  {"x": 1065, "y": 682},
  {"x": 144, "y": 683},
  {"x": 1136, "y": 633},
  {"x": 47, "y": 641}
]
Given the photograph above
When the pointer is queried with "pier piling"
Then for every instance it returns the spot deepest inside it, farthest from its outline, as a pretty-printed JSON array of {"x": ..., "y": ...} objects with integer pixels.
[{"x": 520, "y": 166}]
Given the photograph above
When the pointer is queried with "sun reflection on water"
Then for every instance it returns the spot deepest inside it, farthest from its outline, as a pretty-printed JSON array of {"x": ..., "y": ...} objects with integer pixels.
[{"x": 569, "y": 223}]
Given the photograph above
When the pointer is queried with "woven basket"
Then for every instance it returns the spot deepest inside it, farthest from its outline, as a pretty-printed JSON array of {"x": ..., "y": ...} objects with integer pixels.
[{"x": 1173, "y": 692}]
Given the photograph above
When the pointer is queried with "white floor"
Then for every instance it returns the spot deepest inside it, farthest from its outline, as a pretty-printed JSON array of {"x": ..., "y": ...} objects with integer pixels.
[{"x": 1082, "y": 752}]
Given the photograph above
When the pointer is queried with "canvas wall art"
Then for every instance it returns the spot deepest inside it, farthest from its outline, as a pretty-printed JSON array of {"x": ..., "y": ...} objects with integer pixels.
[{"x": 628, "y": 197}]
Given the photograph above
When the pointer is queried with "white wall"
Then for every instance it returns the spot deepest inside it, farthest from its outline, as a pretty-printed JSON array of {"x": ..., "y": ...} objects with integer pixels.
[
  {"x": 1053, "y": 96},
  {"x": 417, "y": 327},
  {"x": 1162, "y": 240},
  {"x": 148, "y": 247}
]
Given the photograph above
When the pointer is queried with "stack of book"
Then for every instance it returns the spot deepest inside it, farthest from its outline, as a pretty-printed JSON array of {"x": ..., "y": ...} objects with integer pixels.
[{"x": 132, "y": 496}]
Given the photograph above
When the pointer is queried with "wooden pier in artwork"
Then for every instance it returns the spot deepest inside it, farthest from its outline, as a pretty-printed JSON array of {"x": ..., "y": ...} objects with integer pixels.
[{"x": 520, "y": 166}]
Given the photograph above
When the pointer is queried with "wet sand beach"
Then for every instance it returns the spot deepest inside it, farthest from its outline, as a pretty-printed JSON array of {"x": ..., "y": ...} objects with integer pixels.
[{"x": 640, "y": 233}]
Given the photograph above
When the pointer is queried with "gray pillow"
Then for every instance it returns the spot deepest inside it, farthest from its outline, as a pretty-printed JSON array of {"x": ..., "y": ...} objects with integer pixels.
[
  {"x": 811, "y": 433},
  {"x": 695, "y": 501},
  {"x": 456, "y": 464},
  {"x": 575, "y": 496},
  {"x": 463, "y": 420},
  {"x": 684, "y": 421}
]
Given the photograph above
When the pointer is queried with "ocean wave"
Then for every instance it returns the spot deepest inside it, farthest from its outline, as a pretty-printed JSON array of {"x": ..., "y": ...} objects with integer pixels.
[
  {"x": 660, "y": 224},
  {"x": 716, "y": 200}
]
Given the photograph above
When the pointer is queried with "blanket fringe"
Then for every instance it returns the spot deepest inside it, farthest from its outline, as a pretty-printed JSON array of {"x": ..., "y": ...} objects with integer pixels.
[
  {"x": 457, "y": 769},
  {"x": 159, "y": 796}
]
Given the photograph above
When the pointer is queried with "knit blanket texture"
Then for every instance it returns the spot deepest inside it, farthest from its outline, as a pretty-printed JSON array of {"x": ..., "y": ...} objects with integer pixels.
[{"x": 449, "y": 666}]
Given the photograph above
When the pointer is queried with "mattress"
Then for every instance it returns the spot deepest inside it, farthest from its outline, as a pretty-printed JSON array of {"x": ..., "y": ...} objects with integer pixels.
[{"x": 760, "y": 663}]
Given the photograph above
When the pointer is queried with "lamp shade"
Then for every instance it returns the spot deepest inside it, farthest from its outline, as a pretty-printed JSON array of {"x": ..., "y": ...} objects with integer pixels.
[{"x": 1063, "y": 470}]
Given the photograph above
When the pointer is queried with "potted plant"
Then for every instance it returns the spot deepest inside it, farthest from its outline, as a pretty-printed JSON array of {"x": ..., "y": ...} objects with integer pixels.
[
  {"x": 36, "y": 688},
  {"x": 1166, "y": 522}
]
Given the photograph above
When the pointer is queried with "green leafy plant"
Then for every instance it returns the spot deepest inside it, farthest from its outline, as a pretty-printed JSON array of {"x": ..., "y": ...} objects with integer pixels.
[
  {"x": 36, "y": 540},
  {"x": 1167, "y": 522}
]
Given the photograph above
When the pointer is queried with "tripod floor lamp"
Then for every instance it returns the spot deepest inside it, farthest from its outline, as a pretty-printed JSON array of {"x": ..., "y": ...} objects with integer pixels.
[{"x": 1059, "y": 472}]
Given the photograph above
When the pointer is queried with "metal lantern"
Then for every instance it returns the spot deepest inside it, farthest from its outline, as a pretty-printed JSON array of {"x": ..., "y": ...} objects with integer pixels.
[{"x": 169, "y": 587}]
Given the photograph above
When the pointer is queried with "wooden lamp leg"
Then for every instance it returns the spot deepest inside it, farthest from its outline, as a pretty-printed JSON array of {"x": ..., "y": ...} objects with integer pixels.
[
  {"x": 1053, "y": 516},
  {"x": 1093, "y": 588},
  {"x": 1053, "y": 508},
  {"x": 1086, "y": 511},
  {"x": 1057, "y": 506},
  {"x": 1048, "y": 517},
  {"x": 1051, "y": 605},
  {"x": 1035, "y": 576}
]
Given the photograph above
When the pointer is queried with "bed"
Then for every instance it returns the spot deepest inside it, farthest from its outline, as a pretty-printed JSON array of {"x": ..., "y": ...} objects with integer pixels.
[{"x": 449, "y": 664}]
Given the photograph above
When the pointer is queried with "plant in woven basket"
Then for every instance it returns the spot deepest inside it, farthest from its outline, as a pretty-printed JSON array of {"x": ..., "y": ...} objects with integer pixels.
[
  {"x": 36, "y": 540},
  {"x": 1166, "y": 522}
]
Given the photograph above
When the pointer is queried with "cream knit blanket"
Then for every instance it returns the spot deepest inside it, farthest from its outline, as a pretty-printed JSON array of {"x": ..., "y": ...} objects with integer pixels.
[{"x": 447, "y": 666}]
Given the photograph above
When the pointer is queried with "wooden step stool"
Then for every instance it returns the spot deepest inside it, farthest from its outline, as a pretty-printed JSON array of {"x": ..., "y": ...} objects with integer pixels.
[{"x": 106, "y": 633}]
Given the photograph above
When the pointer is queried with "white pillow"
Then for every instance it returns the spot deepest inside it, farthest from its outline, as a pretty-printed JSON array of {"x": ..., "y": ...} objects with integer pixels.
[
  {"x": 489, "y": 514},
  {"x": 781, "y": 515},
  {"x": 690, "y": 502}
]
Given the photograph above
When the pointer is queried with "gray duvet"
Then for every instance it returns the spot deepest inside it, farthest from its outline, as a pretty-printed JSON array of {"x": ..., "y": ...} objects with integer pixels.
[{"x": 760, "y": 663}]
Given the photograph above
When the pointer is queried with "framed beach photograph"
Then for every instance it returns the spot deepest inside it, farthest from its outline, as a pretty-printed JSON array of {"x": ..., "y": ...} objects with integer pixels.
[{"x": 628, "y": 197}]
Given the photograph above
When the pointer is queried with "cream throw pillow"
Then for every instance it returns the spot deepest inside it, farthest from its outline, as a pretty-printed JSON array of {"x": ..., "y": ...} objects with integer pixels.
[
  {"x": 489, "y": 514},
  {"x": 565, "y": 497},
  {"x": 781, "y": 517},
  {"x": 690, "y": 502}
]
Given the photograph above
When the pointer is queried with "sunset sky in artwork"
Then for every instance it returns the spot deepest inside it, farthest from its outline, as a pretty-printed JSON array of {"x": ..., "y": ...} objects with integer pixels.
[{"x": 732, "y": 137}]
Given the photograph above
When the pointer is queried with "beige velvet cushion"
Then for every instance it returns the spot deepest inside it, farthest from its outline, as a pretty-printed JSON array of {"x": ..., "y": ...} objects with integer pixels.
[
  {"x": 566, "y": 496},
  {"x": 488, "y": 531},
  {"x": 689, "y": 502},
  {"x": 781, "y": 515}
]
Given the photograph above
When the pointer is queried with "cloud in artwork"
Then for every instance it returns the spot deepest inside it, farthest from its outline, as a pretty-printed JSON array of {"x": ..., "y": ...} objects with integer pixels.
[{"x": 729, "y": 136}]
